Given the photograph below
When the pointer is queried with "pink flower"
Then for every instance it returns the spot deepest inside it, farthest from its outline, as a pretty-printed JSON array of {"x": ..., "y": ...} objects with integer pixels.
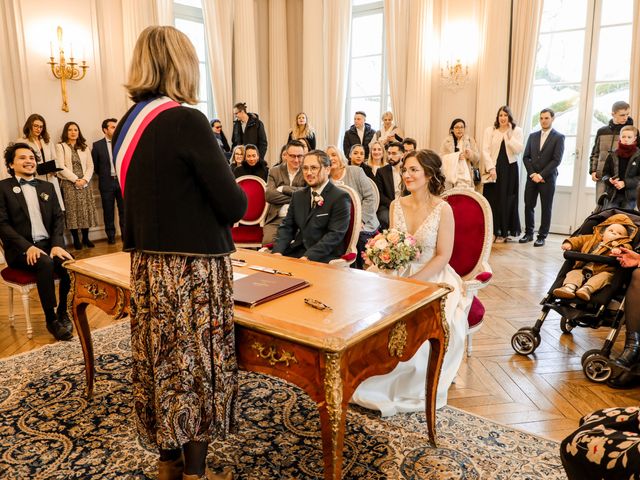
[{"x": 385, "y": 257}]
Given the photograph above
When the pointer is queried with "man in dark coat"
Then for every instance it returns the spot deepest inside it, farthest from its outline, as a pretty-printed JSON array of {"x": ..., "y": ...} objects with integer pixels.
[
  {"x": 360, "y": 133},
  {"x": 248, "y": 129},
  {"x": 104, "y": 166},
  {"x": 542, "y": 155},
  {"x": 31, "y": 231},
  {"x": 388, "y": 180},
  {"x": 318, "y": 216}
]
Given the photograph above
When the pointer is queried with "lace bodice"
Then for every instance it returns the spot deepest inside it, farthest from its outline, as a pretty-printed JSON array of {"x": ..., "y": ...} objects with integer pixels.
[{"x": 427, "y": 233}]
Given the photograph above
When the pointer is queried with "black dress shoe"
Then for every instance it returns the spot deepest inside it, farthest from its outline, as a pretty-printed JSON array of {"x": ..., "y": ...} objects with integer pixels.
[
  {"x": 58, "y": 330},
  {"x": 111, "y": 241},
  {"x": 77, "y": 244},
  {"x": 624, "y": 381},
  {"x": 88, "y": 243},
  {"x": 65, "y": 321},
  {"x": 539, "y": 242},
  {"x": 526, "y": 238}
]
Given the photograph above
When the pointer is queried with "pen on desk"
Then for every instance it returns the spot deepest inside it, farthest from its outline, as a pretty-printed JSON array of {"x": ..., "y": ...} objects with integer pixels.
[{"x": 270, "y": 270}]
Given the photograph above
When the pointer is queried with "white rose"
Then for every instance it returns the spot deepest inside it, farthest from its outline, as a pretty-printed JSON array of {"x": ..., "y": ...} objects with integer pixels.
[{"x": 381, "y": 244}]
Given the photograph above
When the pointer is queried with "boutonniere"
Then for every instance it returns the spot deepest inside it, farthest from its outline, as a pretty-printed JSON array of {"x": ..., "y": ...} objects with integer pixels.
[
  {"x": 319, "y": 200},
  {"x": 44, "y": 197}
]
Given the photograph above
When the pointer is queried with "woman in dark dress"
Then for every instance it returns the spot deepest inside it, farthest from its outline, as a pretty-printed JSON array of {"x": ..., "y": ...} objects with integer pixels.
[
  {"x": 501, "y": 148},
  {"x": 179, "y": 209},
  {"x": 252, "y": 164}
]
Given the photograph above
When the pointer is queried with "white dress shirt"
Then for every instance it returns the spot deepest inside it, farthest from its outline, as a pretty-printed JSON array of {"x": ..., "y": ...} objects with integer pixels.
[{"x": 38, "y": 230}]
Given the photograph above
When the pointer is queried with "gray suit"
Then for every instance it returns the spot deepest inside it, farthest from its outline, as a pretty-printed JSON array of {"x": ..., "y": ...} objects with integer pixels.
[{"x": 278, "y": 177}]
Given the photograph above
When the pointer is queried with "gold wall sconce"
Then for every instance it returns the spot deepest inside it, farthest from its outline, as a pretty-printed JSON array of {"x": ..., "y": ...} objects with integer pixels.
[
  {"x": 63, "y": 70},
  {"x": 454, "y": 76}
]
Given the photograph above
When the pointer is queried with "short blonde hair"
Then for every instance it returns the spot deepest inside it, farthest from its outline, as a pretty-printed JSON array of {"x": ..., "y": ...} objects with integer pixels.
[
  {"x": 341, "y": 156},
  {"x": 630, "y": 128},
  {"x": 164, "y": 62}
]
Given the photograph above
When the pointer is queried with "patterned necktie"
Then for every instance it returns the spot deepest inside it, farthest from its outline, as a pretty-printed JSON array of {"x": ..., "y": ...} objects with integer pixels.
[{"x": 33, "y": 182}]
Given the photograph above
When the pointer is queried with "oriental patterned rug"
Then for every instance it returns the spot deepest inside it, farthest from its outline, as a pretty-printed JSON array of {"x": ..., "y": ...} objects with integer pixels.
[{"x": 48, "y": 430}]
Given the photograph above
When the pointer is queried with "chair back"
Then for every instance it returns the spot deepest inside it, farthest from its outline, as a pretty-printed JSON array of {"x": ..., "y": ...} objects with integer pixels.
[
  {"x": 255, "y": 188},
  {"x": 355, "y": 220},
  {"x": 376, "y": 192},
  {"x": 473, "y": 231}
]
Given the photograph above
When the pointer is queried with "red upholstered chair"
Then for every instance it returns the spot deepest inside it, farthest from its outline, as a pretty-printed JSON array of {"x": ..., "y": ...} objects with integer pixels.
[
  {"x": 248, "y": 231},
  {"x": 23, "y": 282},
  {"x": 351, "y": 237},
  {"x": 471, "y": 248}
]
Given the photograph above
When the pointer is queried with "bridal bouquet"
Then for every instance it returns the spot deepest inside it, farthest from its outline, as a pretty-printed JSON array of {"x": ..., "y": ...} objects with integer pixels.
[{"x": 391, "y": 250}]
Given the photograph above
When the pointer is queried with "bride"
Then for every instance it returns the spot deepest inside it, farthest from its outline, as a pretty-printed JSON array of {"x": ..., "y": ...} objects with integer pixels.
[{"x": 429, "y": 219}]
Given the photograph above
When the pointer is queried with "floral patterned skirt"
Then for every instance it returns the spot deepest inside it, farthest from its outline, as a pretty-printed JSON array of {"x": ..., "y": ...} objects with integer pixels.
[
  {"x": 185, "y": 374},
  {"x": 605, "y": 446}
]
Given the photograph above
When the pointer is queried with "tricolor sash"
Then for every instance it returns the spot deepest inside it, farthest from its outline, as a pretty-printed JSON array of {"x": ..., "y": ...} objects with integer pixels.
[{"x": 133, "y": 128}]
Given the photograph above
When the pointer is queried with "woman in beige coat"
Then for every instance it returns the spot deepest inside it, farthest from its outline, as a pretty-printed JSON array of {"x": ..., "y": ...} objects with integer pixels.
[{"x": 74, "y": 157}]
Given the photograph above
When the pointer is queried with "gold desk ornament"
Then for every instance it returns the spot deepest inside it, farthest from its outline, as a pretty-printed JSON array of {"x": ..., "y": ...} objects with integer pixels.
[
  {"x": 333, "y": 396},
  {"x": 63, "y": 70},
  {"x": 95, "y": 291},
  {"x": 271, "y": 353},
  {"x": 398, "y": 339}
]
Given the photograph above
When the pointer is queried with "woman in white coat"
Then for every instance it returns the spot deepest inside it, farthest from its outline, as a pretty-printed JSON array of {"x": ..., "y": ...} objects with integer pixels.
[
  {"x": 74, "y": 157},
  {"x": 501, "y": 147},
  {"x": 35, "y": 134}
]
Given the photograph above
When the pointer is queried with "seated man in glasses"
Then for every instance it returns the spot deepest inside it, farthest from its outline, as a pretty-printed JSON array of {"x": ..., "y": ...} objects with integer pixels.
[
  {"x": 283, "y": 181},
  {"x": 31, "y": 230},
  {"x": 318, "y": 216}
]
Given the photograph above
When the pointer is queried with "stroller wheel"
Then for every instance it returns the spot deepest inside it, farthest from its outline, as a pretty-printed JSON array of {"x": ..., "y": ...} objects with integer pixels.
[
  {"x": 596, "y": 366},
  {"x": 566, "y": 325},
  {"x": 525, "y": 341}
]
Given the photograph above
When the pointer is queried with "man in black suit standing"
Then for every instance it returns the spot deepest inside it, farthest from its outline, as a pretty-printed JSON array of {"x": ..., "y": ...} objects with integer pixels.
[
  {"x": 31, "y": 230},
  {"x": 541, "y": 158},
  {"x": 388, "y": 180},
  {"x": 104, "y": 166},
  {"x": 318, "y": 216}
]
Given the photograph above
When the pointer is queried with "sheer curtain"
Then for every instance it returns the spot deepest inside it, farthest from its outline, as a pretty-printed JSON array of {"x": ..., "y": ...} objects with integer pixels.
[
  {"x": 136, "y": 16},
  {"x": 634, "y": 82},
  {"x": 244, "y": 53},
  {"x": 218, "y": 18},
  {"x": 337, "y": 47},
  {"x": 279, "y": 118},
  {"x": 409, "y": 63},
  {"x": 526, "y": 25},
  {"x": 313, "y": 66}
]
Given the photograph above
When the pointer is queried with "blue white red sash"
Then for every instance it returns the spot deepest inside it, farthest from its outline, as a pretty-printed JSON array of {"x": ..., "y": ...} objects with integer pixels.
[{"x": 133, "y": 128}]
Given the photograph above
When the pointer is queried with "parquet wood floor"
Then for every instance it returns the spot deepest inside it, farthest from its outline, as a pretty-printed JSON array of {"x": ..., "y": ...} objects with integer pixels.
[{"x": 545, "y": 393}]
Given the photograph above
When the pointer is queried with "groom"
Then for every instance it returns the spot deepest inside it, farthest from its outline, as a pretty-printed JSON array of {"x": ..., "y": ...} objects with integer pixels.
[{"x": 318, "y": 216}]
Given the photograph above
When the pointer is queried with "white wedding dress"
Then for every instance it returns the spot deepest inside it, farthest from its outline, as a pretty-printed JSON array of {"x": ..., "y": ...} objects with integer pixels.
[{"x": 403, "y": 389}]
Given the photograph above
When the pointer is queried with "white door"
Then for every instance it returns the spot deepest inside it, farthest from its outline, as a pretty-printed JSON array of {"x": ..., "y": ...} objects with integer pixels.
[{"x": 582, "y": 68}]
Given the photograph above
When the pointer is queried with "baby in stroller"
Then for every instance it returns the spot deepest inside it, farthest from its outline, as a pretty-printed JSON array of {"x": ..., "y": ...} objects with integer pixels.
[{"x": 586, "y": 278}]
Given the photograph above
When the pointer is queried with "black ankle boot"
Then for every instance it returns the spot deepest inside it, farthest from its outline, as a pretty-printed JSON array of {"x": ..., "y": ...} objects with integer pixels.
[
  {"x": 631, "y": 354},
  {"x": 85, "y": 238},
  {"x": 77, "y": 244}
]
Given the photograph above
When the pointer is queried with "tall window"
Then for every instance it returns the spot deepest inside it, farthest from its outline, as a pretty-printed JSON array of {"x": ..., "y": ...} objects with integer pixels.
[
  {"x": 582, "y": 68},
  {"x": 368, "y": 85},
  {"x": 190, "y": 20}
]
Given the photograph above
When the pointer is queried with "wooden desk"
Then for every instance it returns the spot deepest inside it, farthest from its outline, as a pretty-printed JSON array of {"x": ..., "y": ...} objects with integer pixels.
[{"x": 375, "y": 322}]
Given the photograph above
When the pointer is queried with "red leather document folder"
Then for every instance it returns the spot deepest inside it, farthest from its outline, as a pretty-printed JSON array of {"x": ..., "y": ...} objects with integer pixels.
[{"x": 261, "y": 287}]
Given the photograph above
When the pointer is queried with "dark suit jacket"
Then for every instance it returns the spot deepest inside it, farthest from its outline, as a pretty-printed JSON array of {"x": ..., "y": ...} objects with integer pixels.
[
  {"x": 384, "y": 181},
  {"x": 101, "y": 164},
  {"x": 545, "y": 161},
  {"x": 279, "y": 177},
  {"x": 320, "y": 231},
  {"x": 15, "y": 224}
]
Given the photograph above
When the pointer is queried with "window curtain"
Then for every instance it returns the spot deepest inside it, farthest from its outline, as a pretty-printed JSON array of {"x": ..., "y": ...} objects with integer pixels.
[
  {"x": 218, "y": 18},
  {"x": 244, "y": 55},
  {"x": 138, "y": 15},
  {"x": 493, "y": 63},
  {"x": 525, "y": 27},
  {"x": 634, "y": 78},
  {"x": 409, "y": 65},
  {"x": 280, "y": 121},
  {"x": 313, "y": 66},
  {"x": 336, "y": 59}
]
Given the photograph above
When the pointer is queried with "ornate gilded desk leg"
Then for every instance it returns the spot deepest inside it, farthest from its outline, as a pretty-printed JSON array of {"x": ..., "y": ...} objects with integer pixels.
[
  {"x": 333, "y": 414},
  {"x": 77, "y": 310},
  {"x": 439, "y": 341}
]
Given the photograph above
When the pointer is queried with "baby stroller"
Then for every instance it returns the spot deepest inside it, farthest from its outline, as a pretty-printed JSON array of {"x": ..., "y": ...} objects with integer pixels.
[{"x": 606, "y": 306}]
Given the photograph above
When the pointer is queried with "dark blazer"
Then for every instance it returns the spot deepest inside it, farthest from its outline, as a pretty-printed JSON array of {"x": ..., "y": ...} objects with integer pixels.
[
  {"x": 544, "y": 162},
  {"x": 180, "y": 195},
  {"x": 279, "y": 177},
  {"x": 15, "y": 224},
  {"x": 384, "y": 181},
  {"x": 101, "y": 160},
  {"x": 351, "y": 138},
  {"x": 253, "y": 134},
  {"x": 318, "y": 232}
]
